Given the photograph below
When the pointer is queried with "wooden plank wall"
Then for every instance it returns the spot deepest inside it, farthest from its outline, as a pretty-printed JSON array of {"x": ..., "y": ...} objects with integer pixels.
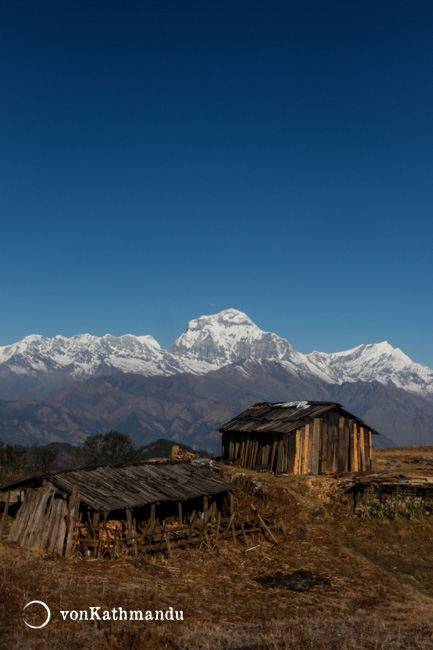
[
  {"x": 329, "y": 443},
  {"x": 44, "y": 520}
]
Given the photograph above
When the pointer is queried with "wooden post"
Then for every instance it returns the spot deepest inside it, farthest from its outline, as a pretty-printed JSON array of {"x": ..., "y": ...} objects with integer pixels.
[
  {"x": 340, "y": 444},
  {"x": 370, "y": 446},
  {"x": 297, "y": 451},
  {"x": 355, "y": 448},
  {"x": 167, "y": 543},
  {"x": 291, "y": 452},
  {"x": 306, "y": 455},
  {"x": 113, "y": 550},
  {"x": 5, "y": 513},
  {"x": 242, "y": 454},
  {"x": 324, "y": 445},
  {"x": 152, "y": 517},
  {"x": 218, "y": 525},
  {"x": 315, "y": 448},
  {"x": 335, "y": 420},
  {"x": 308, "y": 469},
  {"x": 352, "y": 450},
  {"x": 362, "y": 449},
  {"x": 319, "y": 465},
  {"x": 301, "y": 440},
  {"x": 191, "y": 525},
  {"x": 274, "y": 446},
  {"x": 347, "y": 434},
  {"x": 232, "y": 509},
  {"x": 130, "y": 531}
]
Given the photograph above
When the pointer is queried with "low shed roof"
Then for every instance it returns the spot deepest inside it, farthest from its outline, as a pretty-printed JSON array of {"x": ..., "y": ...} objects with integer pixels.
[
  {"x": 284, "y": 417},
  {"x": 113, "y": 488}
]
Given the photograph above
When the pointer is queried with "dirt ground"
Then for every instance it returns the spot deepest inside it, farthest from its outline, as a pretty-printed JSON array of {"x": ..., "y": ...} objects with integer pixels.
[{"x": 334, "y": 580}]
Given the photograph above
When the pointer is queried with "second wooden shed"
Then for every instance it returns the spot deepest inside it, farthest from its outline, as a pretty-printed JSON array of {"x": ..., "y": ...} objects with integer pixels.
[{"x": 298, "y": 438}]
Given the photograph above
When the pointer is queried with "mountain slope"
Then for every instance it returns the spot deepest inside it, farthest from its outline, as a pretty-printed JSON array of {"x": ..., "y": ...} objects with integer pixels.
[{"x": 188, "y": 408}]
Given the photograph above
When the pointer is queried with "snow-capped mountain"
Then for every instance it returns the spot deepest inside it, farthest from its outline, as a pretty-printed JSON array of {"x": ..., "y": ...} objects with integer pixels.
[
  {"x": 87, "y": 355},
  {"x": 209, "y": 343},
  {"x": 231, "y": 336},
  {"x": 375, "y": 362},
  {"x": 39, "y": 364}
]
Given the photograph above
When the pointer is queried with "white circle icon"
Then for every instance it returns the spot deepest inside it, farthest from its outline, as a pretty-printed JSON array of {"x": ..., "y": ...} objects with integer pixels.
[{"x": 38, "y": 602}]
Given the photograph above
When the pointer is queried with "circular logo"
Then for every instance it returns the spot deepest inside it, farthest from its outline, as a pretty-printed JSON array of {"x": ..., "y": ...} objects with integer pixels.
[{"x": 38, "y": 602}]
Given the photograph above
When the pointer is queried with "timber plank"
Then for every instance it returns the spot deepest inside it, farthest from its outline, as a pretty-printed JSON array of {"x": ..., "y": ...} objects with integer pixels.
[
  {"x": 61, "y": 531},
  {"x": 315, "y": 446},
  {"x": 362, "y": 448},
  {"x": 348, "y": 426},
  {"x": 355, "y": 449},
  {"x": 341, "y": 443},
  {"x": 324, "y": 445},
  {"x": 73, "y": 507}
]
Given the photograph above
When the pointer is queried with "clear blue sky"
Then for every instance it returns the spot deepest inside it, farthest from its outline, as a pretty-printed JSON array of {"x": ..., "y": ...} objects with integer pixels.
[{"x": 164, "y": 160}]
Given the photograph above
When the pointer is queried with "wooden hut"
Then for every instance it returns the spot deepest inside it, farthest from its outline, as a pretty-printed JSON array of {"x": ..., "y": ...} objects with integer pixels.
[
  {"x": 298, "y": 438},
  {"x": 113, "y": 511}
]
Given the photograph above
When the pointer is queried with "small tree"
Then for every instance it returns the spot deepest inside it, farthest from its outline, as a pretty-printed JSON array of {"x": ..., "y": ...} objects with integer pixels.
[{"x": 110, "y": 448}]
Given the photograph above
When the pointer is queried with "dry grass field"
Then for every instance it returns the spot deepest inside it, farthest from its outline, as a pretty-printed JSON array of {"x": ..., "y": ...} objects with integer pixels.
[{"x": 335, "y": 580}]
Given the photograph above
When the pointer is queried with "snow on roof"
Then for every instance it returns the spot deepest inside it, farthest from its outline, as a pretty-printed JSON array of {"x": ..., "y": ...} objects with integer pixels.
[{"x": 298, "y": 405}]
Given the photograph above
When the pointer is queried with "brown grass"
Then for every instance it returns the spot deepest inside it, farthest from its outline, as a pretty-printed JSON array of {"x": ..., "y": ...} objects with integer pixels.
[{"x": 378, "y": 592}]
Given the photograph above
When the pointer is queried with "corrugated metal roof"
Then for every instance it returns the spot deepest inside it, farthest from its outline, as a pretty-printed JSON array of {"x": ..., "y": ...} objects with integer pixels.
[
  {"x": 282, "y": 418},
  {"x": 112, "y": 488}
]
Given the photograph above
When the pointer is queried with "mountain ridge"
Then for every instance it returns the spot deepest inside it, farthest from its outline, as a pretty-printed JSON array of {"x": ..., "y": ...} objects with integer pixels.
[{"x": 38, "y": 364}]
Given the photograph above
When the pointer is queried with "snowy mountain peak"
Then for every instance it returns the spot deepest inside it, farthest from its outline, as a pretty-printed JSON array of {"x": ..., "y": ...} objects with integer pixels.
[
  {"x": 228, "y": 318},
  {"x": 228, "y": 337},
  {"x": 227, "y": 323},
  {"x": 373, "y": 362}
]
